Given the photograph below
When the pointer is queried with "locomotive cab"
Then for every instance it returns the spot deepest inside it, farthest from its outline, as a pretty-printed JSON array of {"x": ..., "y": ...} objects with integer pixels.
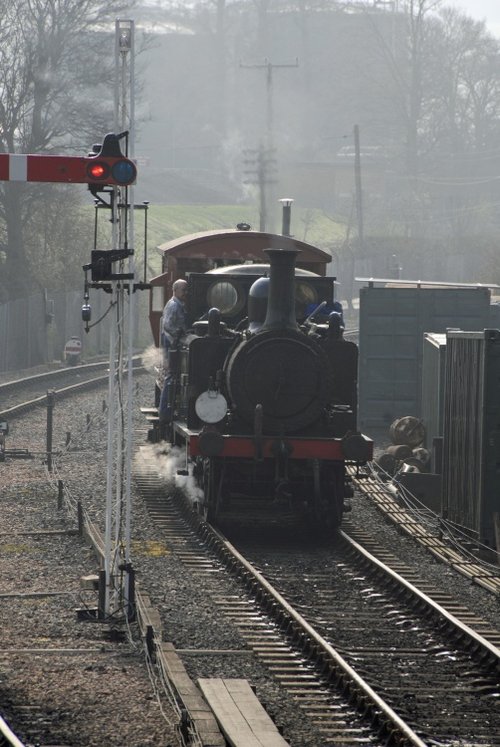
[{"x": 201, "y": 252}]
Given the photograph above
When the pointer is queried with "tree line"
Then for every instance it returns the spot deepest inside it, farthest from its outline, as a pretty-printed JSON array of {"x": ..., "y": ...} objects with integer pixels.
[{"x": 422, "y": 81}]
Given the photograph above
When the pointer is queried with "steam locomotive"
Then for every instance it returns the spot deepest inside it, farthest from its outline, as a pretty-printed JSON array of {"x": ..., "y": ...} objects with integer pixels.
[{"x": 264, "y": 387}]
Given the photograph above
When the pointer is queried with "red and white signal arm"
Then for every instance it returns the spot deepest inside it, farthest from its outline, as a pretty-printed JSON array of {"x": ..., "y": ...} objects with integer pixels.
[
  {"x": 108, "y": 170},
  {"x": 73, "y": 347}
]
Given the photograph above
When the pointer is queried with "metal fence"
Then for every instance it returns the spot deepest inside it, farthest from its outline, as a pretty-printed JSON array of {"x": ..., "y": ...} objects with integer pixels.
[{"x": 34, "y": 330}]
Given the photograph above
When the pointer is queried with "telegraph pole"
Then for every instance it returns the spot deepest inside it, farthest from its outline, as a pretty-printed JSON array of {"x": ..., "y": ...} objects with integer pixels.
[
  {"x": 269, "y": 67},
  {"x": 268, "y": 147},
  {"x": 264, "y": 165},
  {"x": 358, "y": 187}
]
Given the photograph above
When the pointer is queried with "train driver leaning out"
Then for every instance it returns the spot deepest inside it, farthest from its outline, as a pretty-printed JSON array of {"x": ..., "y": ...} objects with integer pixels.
[
  {"x": 173, "y": 320},
  {"x": 173, "y": 327}
]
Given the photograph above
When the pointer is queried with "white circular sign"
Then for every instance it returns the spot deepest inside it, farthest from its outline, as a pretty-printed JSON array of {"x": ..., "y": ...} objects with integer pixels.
[{"x": 211, "y": 407}]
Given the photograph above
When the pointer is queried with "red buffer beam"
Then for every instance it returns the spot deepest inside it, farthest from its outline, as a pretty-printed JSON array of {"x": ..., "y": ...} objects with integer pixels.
[{"x": 105, "y": 170}]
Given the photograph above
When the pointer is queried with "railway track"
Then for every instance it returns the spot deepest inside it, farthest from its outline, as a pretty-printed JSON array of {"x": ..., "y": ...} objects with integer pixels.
[
  {"x": 7, "y": 736},
  {"x": 370, "y": 654},
  {"x": 400, "y": 634},
  {"x": 14, "y": 394},
  {"x": 20, "y": 395},
  {"x": 313, "y": 668},
  {"x": 426, "y": 528}
]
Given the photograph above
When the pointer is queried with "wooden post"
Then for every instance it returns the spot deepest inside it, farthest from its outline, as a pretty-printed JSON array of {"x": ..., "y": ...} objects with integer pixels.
[
  {"x": 51, "y": 398},
  {"x": 60, "y": 494}
]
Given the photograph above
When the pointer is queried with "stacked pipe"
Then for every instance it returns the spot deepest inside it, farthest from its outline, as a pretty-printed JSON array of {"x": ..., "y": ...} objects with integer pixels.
[{"x": 407, "y": 453}]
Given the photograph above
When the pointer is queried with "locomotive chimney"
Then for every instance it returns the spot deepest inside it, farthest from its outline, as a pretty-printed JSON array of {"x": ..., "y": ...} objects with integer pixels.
[
  {"x": 281, "y": 302},
  {"x": 287, "y": 212}
]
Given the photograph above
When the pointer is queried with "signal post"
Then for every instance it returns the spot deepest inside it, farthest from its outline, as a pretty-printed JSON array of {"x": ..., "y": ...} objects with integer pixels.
[{"x": 108, "y": 172}]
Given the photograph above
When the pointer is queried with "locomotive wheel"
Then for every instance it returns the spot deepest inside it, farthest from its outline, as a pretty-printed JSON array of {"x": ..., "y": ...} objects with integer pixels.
[
  {"x": 211, "y": 484},
  {"x": 327, "y": 499},
  {"x": 336, "y": 498}
]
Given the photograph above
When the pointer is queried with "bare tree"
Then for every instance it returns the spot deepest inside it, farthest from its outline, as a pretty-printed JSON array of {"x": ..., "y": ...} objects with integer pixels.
[
  {"x": 442, "y": 84},
  {"x": 469, "y": 84},
  {"x": 56, "y": 64}
]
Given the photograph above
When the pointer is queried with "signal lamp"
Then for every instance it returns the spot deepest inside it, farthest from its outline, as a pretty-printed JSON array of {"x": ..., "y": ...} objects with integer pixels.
[
  {"x": 98, "y": 170},
  {"x": 120, "y": 171},
  {"x": 86, "y": 312},
  {"x": 123, "y": 171}
]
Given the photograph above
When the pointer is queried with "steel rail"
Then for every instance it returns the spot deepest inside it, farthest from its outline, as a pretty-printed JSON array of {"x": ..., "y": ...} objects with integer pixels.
[
  {"x": 439, "y": 545},
  {"x": 71, "y": 389},
  {"x": 64, "y": 391},
  {"x": 57, "y": 373},
  {"x": 486, "y": 646},
  {"x": 54, "y": 373},
  {"x": 400, "y": 731},
  {"x": 7, "y": 735}
]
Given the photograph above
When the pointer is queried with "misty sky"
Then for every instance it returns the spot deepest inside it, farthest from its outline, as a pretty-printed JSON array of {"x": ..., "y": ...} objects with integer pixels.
[{"x": 488, "y": 10}]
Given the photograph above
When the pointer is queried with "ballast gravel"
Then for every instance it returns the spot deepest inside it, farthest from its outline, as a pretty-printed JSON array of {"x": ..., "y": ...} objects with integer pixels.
[{"x": 63, "y": 681}]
